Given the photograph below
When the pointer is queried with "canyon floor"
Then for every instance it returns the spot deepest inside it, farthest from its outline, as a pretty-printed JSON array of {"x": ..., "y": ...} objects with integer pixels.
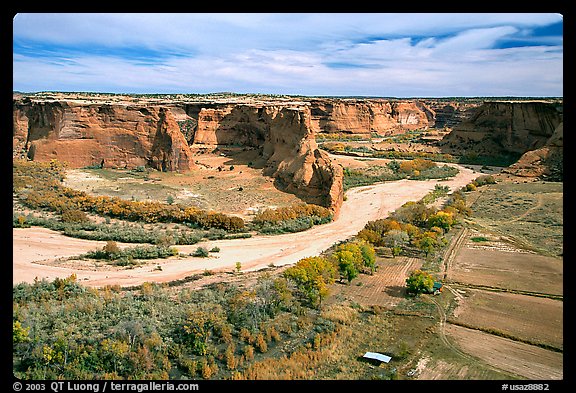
[{"x": 42, "y": 253}]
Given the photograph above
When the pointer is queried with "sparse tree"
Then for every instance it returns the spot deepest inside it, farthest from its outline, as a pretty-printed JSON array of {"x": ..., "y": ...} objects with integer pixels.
[{"x": 419, "y": 281}]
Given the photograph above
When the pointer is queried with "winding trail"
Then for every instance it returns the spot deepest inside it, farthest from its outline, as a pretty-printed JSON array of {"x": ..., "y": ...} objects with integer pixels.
[{"x": 34, "y": 246}]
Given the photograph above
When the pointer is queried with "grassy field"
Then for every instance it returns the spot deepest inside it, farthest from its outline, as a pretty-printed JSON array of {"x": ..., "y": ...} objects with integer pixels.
[{"x": 531, "y": 214}]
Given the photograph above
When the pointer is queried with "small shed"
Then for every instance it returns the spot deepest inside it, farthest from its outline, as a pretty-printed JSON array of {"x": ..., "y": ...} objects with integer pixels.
[{"x": 377, "y": 356}]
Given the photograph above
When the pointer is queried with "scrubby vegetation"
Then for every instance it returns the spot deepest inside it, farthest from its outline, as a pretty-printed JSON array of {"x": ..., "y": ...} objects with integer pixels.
[
  {"x": 64, "y": 330},
  {"x": 111, "y": 252},
  {"x": 293, "y": 218},
  {"x": 471, "y": 158},
  {"x": 38, "y": 186},
  {"x": 418, "y": 227},
  {"x": 416, "y": 169},
  {"x": 125, "y": 232}
]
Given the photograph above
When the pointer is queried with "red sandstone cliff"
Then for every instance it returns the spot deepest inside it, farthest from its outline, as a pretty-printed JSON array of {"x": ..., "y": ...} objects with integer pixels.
[
  {"x": 288, "y": 144},
  {"x": 126, "y": 136},
  {"x": 532, "y": 129},
  {"x": 115, "y": 135},
  {"x": 545, "y": 162},
  {"x": 514, "y": 127},
  {"x": 371, "y": 115}
]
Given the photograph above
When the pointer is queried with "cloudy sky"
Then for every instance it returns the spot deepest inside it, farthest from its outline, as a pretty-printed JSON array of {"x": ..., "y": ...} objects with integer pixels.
[{"x": 343, "y": 54}]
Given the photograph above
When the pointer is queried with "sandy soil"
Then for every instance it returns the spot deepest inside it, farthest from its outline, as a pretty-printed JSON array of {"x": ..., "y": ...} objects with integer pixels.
[
  {"x": 527, "y": 361},
  {"x": 501, "y": 264},
  {"x": 528, "y": 317},
  {"x": 34, "y": 245}
]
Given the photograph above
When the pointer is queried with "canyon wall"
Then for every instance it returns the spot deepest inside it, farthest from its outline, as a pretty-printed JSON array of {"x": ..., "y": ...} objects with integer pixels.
[
  {"x": 385, "y": 117},
  {"x": 95, "y": 134},
  {"x": 546, "y": 162},
  {"x": 126, "y": 136},
  {"x": 506, "y": 127},
  {"x": 128, "y": 132},
  {"x": 287, "y": 140},
  {"x": 532, "y": 130}
]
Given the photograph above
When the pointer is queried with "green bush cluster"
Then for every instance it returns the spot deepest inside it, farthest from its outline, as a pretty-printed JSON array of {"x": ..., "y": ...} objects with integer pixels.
[
  {"x": 138, "y": 252},
  {"x": 417, "y": 225},
  {"x": 125, "y": 233},
  {"x": 66, "y": 331},
  {"x": 313, "y": 275},
  {"x": 416, "y": 169}
]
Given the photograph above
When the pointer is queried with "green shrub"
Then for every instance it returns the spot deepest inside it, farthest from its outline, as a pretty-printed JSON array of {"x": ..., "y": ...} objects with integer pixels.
[{"x": 201, "y": 252}]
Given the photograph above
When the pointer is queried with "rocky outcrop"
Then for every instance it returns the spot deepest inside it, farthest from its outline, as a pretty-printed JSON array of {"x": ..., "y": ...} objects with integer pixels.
[
  {"x": 287, "y": 142},
  {"x": 447, "y": 114},
  {"x": 532, "y": 130},
  {"x": 545, "y": 162},
  {"x": 159, "y": 135},
  {"x": 384, "y": 117},
  {"x": 99, "y": 134},
  {"x": 506, "y": 127}
]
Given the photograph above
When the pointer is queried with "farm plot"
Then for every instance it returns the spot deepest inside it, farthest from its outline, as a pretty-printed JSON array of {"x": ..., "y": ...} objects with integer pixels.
[
  {"x": 499, "y": 263},
  {"x": 536, "y": 319},
  {"x": 525, "y": 360},
  {"x": 385, "y": 288}
]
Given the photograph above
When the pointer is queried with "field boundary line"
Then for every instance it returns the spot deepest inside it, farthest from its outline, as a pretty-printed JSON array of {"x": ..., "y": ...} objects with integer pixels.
[
  {"x": 450, "y": 254},
  {"x": 502, "y": 334},
  {"x": 507, "y": 290}
]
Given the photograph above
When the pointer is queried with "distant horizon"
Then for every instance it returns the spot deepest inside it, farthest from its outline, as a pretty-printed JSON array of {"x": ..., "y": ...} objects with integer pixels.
[
  {"x": 269, "y": 94},
  {"x": 297, "y": 54}
]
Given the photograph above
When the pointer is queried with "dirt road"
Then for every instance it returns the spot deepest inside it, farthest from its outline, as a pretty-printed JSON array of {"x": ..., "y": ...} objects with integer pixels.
[{"x": 34, "y": 245}]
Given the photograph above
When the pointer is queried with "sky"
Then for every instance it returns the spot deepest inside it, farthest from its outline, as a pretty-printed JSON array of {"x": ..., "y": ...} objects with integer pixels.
[{"x": 310, "y": 54}]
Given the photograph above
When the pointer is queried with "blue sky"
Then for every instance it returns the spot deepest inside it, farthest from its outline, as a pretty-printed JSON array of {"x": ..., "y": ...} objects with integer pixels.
[{"x": 345, "y": 54}]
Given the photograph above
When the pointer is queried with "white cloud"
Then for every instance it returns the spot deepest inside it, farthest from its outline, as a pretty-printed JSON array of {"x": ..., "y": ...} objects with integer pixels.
[{"x": 313, "y": 54}]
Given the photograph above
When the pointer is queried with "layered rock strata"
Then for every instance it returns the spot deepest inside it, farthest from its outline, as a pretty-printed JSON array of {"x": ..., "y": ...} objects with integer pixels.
[
  {"x": 98, "y": 134},
  {"x": 127, "y": 136},
  {"x": 531, "y": 129},
  {"x": 385, "y": 117},
  {"x": 514, "y": 127}
]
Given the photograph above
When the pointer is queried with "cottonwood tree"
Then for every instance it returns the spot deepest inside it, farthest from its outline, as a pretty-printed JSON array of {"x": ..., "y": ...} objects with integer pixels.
[
  {"x": 312, "y": 276},
  {"x": 419, "y": 281}
]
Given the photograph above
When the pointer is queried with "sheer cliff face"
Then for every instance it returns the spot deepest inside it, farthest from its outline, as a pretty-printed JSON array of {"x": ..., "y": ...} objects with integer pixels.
[
  {"x": 506, "y": 127},
  {"x": 533, "y": 130},
  {"x": 362, "y": 117},
  {"x": 129, "y": 136},
  {"x": 544, "y": 162},
  {"x": 115, "y": 135}
]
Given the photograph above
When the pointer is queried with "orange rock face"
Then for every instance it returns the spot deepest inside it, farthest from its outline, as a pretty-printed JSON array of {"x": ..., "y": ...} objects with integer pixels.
[
  {"x": 532, "y": 130},
  {"x": 364, "y": 116},
  {"x": 126, "y": 136},
  {"x": 514, "y": 127},
  {"x": 288, "y": 144},
  {"x": 545, "y": 162},
  {"x": 112, "y": 135}
]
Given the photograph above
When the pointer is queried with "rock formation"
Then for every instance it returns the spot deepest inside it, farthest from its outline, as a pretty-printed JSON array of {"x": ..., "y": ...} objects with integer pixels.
[
  {"x": 126, "y": 136},
  {"x": 382, "y": 116},
  {"x": 99, "y": 134},
  {"x": 499, "y": 127},
  {"x": 286, "y": 138},
  {"x": 449, "y": 113},
  {"x": 545, "y": 162},
  {"x": 531, "y": 129}
]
